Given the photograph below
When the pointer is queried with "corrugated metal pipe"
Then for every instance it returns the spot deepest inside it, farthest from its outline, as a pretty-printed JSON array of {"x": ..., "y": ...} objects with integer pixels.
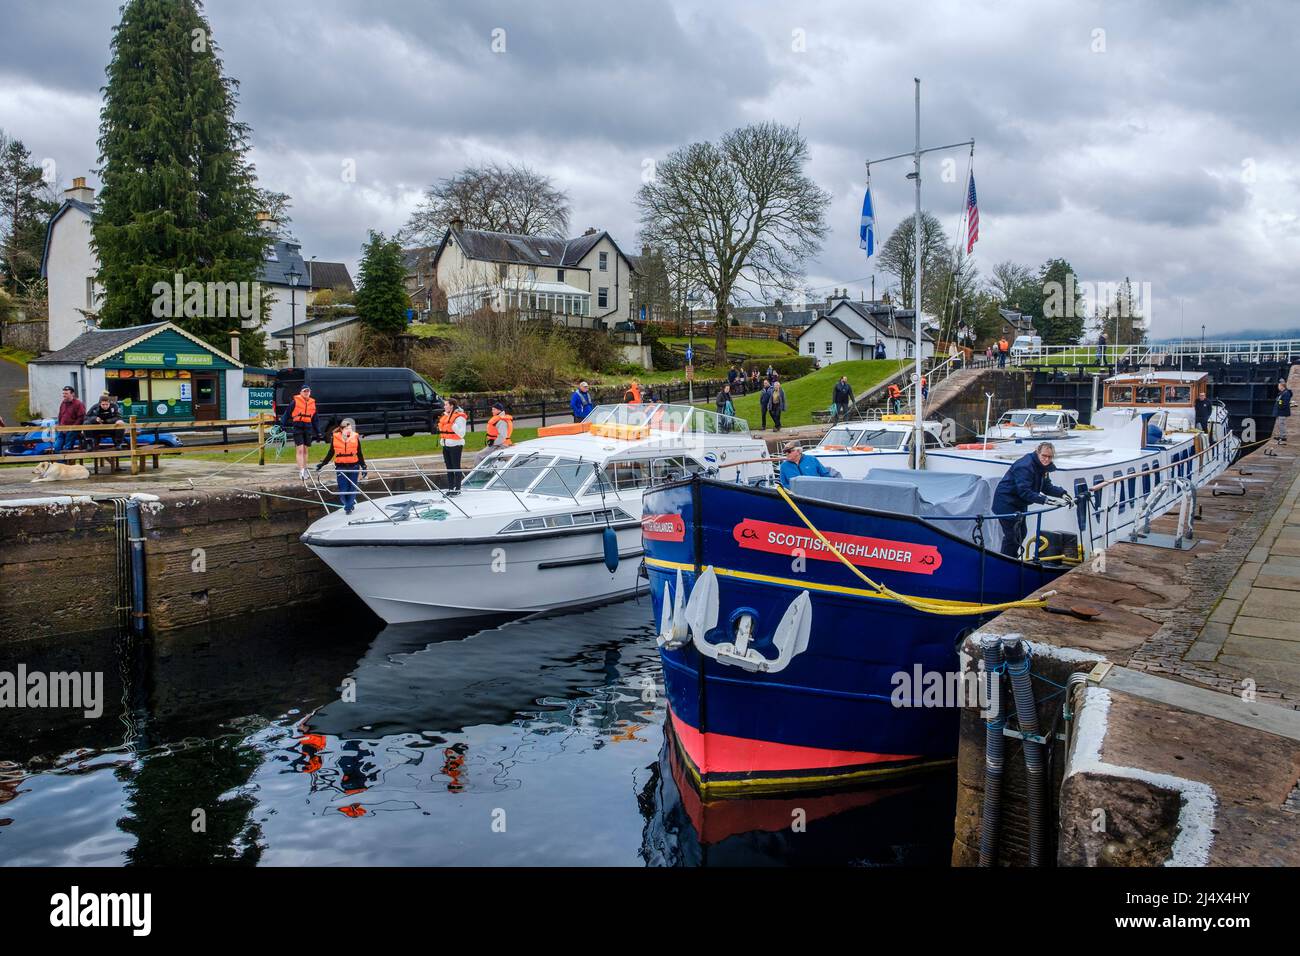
[
  {"x": 994, "y": 747},
  {"x": 1022, "y": 690}
]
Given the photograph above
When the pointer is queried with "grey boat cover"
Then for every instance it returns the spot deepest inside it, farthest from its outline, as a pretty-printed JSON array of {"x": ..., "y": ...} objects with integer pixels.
[{"x": 924, "y": 494}]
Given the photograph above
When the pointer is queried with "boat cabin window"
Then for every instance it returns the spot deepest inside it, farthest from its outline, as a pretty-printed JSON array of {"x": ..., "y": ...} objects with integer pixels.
[
  {"x": 522, "y": 471},
  {"x": 1178, "y": 394},
  {"x": 486, "y": 470},
  {"x": 1149, "y": 394},
  {"x": 1119, "y": 395},
  {"x": 626, "y": 475},
  {"x": 884, "y": 438},
  {"x": 671, "y": 469},
  {"x": 565, "y": 478},
  {"x": 844, "y": 437}
]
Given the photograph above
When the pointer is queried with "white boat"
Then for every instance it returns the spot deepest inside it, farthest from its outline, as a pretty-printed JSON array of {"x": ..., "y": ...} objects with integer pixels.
[
  {"x": 854, "y": 448},
  {"x": 527, "y": 531},
  {"x": 1127, "y": 480}
]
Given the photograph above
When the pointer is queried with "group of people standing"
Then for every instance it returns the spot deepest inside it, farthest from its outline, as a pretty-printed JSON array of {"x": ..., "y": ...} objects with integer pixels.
[{"x": 343, "y": 442}]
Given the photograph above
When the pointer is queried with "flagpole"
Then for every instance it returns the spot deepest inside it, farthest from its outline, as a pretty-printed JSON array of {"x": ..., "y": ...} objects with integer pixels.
[{"x": 917, "y": 460}]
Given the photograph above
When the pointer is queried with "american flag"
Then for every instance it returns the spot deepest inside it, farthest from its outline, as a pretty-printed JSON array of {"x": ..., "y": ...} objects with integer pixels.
[{"x": 972, "y": 216}]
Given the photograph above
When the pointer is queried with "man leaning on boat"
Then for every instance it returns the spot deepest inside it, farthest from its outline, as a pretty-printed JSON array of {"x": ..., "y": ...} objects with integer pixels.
[
  {"x": 797, "y": 463},
  {"x": 1025, "y": 484}
]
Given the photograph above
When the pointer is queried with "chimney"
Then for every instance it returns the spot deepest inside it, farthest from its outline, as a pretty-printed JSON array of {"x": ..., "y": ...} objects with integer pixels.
[
  {"x": 268, "y": 222},
  {"x": 80, "y": 191},
  {"x": 591, "y": 231},
  {"x": 457, "y": 224},
  {"x": 234, "y": 344}
]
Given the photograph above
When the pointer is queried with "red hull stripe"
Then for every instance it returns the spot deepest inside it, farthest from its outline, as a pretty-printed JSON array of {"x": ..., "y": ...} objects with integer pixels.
[{"x": 720, "y": 753}]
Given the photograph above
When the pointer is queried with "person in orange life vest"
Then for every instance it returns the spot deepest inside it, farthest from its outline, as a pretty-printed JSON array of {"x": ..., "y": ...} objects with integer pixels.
[
  {"x": 452, "y": 427},
  {"x": 345, "y": 451},
  {"x": 500, "y": 426},
  {"x": 634, "y": 390},
  {"x": 894, "y": 393},
  {"x": 925, "y": 389},
  {"x": 1003, "y": 347},
  {"x": 300, "y": 421}
]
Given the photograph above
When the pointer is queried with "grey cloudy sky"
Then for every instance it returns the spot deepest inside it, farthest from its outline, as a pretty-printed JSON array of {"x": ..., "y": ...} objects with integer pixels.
[{"x": 1153, "y": 140}]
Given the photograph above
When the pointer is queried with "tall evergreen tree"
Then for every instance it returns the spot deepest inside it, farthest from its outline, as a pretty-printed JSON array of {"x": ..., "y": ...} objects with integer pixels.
[
  {"x": 1060, "y": 316},
  {"x": 26, "y": 204},
  {"x": 178, "y": 194},
  {"x": 381, "y": 294}
]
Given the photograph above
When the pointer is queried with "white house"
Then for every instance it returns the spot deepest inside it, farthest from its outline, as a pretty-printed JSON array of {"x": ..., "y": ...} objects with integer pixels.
[
  {"x": 317, "y": 339},
  {"x": 69, "y": 266},
  {"x": 587, "y": 278},
  {"x": 850, "y": 330}
]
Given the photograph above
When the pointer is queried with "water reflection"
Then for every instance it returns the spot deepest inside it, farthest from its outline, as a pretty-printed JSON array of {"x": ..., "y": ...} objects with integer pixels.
[{"x": 537, "y": 741}]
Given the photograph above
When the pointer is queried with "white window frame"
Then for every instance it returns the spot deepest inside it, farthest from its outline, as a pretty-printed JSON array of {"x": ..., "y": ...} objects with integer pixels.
[
  {"x": 602, "y": 297},
  {"x": 603, "y": 259}
]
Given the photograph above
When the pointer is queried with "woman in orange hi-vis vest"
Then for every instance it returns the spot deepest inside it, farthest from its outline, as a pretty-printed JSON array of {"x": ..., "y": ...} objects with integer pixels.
[
  {"x": 452, "y": 427},
  {"x": 633, "y": 390},
  {"x": 345, "y": 452},
  {"x": 300, "y": 422}
]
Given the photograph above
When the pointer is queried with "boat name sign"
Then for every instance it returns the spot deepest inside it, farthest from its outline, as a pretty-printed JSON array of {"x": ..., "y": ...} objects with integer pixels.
[
  {"x": 862, "y": 551},
  {"x": 663, "y": 527}
]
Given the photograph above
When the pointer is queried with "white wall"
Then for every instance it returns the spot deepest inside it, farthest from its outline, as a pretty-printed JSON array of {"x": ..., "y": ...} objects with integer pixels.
[
  {"x": 236, "y": 394},
  {"x": 45, "y": 386},
  {"x": 617, "y": 278},
  {"x": 69, "y": 265}
]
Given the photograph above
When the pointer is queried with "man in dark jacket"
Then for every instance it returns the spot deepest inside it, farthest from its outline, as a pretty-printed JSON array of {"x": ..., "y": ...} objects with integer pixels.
[
  {"x": 1284, "y": 400},
  {"x": 105, "y": 412},
  {"x": 842, "y": 397},
  {"x": 71, "y": 412},
  {"x": 1203, "y": 412},
  {"x": 764, "y": 402},
  {"x": 1026, "y": 483}
]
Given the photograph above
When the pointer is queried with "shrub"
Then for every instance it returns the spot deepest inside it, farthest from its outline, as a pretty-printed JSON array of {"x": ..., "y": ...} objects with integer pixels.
[{"x": 460, "y": 375}]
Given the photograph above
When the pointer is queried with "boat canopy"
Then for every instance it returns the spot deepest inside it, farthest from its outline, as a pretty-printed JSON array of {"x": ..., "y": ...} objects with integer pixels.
[
  {"x": 904, "y": 491},
  {"x": 638, "y": 421}
]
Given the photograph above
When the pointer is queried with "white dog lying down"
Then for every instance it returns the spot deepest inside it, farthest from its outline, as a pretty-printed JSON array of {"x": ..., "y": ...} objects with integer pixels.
[{"x": 58, "y": 471}]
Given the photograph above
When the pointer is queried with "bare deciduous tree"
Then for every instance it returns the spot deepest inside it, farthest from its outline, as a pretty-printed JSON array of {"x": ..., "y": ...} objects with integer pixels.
[
  {"x": 495, "y": 197},
  {"x": 741, "y": 210},
  {"x": 898, "y": 254}
]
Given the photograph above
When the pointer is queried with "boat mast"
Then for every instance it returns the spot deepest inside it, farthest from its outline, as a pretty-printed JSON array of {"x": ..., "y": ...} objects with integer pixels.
[
  {"x": 918, "y": 433},
  {"x": 917, "y": 458}
]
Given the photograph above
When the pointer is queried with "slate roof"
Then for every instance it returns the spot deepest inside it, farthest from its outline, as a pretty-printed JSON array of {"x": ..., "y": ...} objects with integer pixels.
[
  {"x": 315, "y": 326},
  {"x": 852, "y": 334},
  {"x": 898, "y": 326},
  {"x": 526, "y": 250},
  {"x": 330, "y": 275},
  {"x": 93, "y": 343}
]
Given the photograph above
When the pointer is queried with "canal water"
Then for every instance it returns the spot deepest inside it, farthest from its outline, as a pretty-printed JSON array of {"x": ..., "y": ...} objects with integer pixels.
[{"x": 332, "y": 740}]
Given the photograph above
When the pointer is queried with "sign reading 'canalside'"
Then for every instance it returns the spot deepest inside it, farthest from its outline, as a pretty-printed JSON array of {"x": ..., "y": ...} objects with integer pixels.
[{"x": 862, "y": 551}]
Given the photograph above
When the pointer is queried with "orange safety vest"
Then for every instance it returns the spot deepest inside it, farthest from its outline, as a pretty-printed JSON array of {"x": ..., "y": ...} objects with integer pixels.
[
  {"x": 894, "y": 391},
  {"x": 304, "y": 409},
  {"x": 447, "y": 423},
  {"x": 1002, "y": 345},
  {"x": 635, "y": 392},
  {"x": 346, "y": 450},
  {"x": 492, "y": 426}
]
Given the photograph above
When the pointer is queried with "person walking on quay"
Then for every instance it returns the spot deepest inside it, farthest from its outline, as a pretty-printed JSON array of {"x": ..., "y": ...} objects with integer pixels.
[
  {"x": 452, "y": 427},
  {"x": 776, "y": 405},
  {"x": 580, "y": 402},
  {"x": 1203, "y": 412},
  {"x": 1026, "y": 483},
  {"x": 71, "y": 412},
  {"x": 842, "y": 397},
  {"x": 764, "y": 403},
  {"x": 344, "y": 449},
  {"x": 500, "y": 427},
  {"x": 300, "y": 422},
  {"x": 1285, "y": 398},
  {"x": 106, "y": 412},
  {"x": 724, "y": 404},
  {"x": 895, "y": 396},
  {"x": 1003, "y": 348},
  {"x": 1101, "y": 349}
]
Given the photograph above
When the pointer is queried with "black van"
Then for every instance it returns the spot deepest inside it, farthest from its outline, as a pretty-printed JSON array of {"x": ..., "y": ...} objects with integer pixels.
[{"x": 379, "y": 400}]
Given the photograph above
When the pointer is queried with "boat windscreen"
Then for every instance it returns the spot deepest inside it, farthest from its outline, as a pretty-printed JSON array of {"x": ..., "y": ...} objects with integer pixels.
[{"x": 565, "y": 478}]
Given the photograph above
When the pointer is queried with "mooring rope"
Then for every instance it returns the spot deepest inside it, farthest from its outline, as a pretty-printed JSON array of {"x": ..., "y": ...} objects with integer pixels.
[{"x": 917, "y": 604}]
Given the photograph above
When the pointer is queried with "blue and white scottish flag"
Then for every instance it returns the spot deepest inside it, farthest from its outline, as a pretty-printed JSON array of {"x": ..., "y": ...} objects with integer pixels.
[{"x": 867, "y": 231}]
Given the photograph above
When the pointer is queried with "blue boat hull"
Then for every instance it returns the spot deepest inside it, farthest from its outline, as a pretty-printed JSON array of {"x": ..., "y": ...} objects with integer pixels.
[{"x": 832, "y": 716}]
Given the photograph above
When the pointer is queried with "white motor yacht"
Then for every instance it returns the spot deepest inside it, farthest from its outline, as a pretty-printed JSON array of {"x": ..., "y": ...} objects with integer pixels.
[{"x": 526, "y": 533}]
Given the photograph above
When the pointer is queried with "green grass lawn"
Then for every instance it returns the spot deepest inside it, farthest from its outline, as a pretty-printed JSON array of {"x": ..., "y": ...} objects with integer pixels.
[
  {"x": 415, "y": 446},
  {"x": 811, "y": 393},
  {"x": 765, "y": 348},
  {"x": 16, "y": 355}
]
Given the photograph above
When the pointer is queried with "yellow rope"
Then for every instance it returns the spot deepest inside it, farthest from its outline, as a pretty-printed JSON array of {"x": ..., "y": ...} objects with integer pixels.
[{"x": 917, "y": 604}]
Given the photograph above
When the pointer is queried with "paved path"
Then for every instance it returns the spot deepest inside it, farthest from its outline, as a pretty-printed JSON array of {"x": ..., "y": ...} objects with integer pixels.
[{"x": 13, "y": 385}]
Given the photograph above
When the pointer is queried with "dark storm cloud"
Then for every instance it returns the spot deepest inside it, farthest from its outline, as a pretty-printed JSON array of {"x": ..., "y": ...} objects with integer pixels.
[{"x": 1154, "y": 140}]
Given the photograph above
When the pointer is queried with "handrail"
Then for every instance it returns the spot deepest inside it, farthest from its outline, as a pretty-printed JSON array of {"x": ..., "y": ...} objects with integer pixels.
[{"x": 1154, "y": 471}]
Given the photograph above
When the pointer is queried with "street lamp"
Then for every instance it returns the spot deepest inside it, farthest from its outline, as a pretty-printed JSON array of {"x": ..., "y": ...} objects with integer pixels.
[{"x": 293, "y": 275}]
